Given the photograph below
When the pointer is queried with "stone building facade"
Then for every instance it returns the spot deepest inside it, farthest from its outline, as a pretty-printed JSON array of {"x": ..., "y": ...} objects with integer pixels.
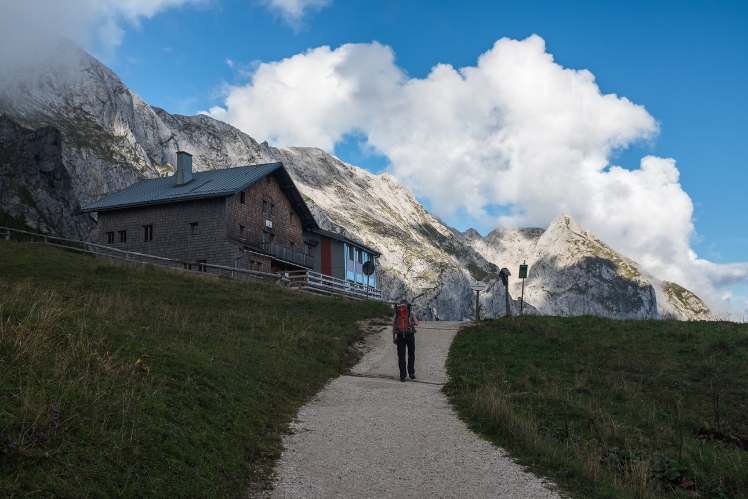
[{"x": 250, "y": 217}]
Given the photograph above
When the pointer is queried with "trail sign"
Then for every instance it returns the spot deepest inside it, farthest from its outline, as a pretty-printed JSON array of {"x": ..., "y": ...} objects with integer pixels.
[
  {"x": 522, "y": 271},
  {"x": 522, "y": 275},
  {"x": 477, "y": 286}
]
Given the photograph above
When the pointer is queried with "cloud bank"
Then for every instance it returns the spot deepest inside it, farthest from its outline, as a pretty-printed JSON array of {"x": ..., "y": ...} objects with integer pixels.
[
  {"x": 516, "y": 134},
  {"x": 28, "y": 26}
]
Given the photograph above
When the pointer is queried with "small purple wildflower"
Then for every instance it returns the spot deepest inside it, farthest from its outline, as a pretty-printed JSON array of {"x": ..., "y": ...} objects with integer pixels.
[{"x": 55, "y": 415}]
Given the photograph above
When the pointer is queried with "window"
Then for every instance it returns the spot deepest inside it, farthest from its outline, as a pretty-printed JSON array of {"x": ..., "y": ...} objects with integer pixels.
[
  {"x": 201, "y": 268},
  {"x": 272, "y": 237},
  {"x": 264, "y": 206},
  {"x": 242, "y": 231},
  {"x": 194, "y": 229},
  {"x": 110, "y": 237},
  {"x": 123, "y": 236},
  {"x": 309, "y": 249},
  {"x": 272, "y": 209},
  {"x": 241, "y": 198},
  {"x": 264, "y": 236},
  {"x": 350, "y": 252},
  {"x": 290, "y": 216},
  {"x": 293, "y": 245},
  {"x": 147, "y": 233}
]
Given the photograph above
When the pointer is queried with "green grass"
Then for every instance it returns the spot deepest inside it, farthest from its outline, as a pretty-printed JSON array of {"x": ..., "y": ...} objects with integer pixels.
[
  {"x": 141, "y": 382},
  {"x": 611, "y": 409}
]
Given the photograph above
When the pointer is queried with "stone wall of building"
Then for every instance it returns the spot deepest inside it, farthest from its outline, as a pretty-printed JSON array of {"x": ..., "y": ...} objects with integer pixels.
[
  {"x": 190, "y": 231},
  {"x": 211, "y": 230},
  {"x": 264, "y": 201}
]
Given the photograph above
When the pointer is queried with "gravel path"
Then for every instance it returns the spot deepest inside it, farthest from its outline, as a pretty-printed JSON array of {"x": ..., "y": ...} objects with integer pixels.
[{"x": 370, "y": 435}]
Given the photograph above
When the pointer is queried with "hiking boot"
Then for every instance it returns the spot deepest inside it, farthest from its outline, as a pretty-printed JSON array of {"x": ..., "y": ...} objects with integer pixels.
[
  {"x": 402, "y": 379},
  {"x": 413, "y": 376}
]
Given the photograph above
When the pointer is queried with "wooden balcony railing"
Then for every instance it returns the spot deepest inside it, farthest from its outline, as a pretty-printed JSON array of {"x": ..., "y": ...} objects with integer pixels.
[{"x": 286, "y": 253}]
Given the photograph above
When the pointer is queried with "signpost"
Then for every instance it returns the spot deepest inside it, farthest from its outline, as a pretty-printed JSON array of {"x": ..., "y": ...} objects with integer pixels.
[
  {"x": 522, "y": 275},
  {"x": 477, "y": 286}
]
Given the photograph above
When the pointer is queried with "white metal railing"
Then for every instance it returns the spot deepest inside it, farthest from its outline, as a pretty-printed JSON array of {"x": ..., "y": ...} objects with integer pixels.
[{"x": 307, "y": 280}]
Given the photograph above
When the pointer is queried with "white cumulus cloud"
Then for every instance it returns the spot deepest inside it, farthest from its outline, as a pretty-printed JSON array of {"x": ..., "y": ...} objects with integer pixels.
[{"x": 516, "y": 134}]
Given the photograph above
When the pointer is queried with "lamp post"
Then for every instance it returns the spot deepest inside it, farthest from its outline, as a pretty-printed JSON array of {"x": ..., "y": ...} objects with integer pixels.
[{"x": 504, "y": 275}]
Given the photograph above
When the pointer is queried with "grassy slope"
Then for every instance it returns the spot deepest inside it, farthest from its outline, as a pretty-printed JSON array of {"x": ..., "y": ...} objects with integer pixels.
[
  {"x": 608, "y": 408},
  {"x": 229, "y": 364}
]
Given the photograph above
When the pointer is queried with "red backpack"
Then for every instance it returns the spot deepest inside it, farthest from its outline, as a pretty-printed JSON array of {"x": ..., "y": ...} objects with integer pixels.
[{"x": 402, "y": 319}]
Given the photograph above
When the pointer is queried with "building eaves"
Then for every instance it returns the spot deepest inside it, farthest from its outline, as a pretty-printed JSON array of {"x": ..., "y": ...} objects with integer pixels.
[{"x": 340, "y": 237}]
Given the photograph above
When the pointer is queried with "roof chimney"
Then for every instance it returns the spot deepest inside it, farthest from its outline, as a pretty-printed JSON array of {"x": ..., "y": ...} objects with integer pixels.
[{"x": 184, "y": 168}]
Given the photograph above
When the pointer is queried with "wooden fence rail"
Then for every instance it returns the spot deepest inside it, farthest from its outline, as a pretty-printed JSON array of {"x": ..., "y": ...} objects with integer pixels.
[{"x": 303, "y": 280}]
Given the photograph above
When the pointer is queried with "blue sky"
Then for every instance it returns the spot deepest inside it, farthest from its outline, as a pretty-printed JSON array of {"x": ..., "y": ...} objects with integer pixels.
[{"x": 685, "y": 62}]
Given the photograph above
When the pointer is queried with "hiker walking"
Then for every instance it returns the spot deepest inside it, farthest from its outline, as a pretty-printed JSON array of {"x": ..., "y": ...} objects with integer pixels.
[{"x": 403, "y": 334}]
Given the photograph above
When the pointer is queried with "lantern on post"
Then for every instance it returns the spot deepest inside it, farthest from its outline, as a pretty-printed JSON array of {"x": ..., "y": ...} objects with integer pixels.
[{"x": 504, "y": 275}]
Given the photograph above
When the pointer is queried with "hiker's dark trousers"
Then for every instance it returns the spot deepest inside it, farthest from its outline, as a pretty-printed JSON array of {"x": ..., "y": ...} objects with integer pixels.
[{"x": 408, "y": 340}]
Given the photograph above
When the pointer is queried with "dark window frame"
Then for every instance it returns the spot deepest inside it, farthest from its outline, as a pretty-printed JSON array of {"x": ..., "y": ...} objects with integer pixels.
[
  {"x": 242, "y": 231},
  {"x": 123, "y": 236},
  {"x": 265, "y": 205},
  {"x": 147, "y": 233},
  {"x": 110, "y": 237},
  {"x": 195, "y": 228},
  {"x": 242, "y": 198}
]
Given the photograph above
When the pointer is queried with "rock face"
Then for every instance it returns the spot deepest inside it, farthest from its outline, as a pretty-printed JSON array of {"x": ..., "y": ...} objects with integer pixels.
[
  {"x": 99, "y": 137},
  {"x": 35, "y": 185},
  {"x": 572, "y": 272}
]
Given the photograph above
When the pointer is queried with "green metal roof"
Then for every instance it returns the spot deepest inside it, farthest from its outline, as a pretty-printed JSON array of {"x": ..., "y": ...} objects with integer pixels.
[{"x": 207, "y": 184}]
